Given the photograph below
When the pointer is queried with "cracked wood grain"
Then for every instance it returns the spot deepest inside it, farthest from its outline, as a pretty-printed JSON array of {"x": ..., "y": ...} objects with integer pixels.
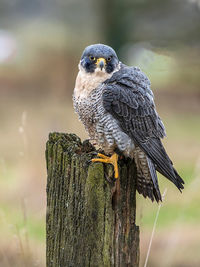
[{"x": 90, "y": 221}]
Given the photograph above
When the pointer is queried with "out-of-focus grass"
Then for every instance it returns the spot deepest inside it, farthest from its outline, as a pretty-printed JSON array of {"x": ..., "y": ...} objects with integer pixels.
[
  {"x": 13, "y": 215},
  {"x": 172, "y": 213}
]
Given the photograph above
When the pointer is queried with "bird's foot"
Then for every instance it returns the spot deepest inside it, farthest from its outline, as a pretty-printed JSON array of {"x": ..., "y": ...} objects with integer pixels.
[{"x": 112, "y": 160}]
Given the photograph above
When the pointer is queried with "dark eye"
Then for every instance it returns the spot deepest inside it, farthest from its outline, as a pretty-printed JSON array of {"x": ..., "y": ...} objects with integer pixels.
[
  {"x": 92, "y": 58},
  {"x": 109, "y": 58}
]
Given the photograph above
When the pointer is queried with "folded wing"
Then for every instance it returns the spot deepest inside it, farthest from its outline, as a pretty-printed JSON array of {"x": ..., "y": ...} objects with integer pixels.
[{"x": 128, "y": 97}]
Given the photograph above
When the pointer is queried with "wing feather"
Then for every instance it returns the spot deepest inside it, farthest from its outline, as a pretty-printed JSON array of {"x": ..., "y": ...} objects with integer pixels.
[{"x": 128, "y": 97}]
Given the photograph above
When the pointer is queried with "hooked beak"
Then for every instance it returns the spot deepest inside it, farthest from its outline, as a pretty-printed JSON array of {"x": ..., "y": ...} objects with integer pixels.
[{"x": 101, "y": 62}]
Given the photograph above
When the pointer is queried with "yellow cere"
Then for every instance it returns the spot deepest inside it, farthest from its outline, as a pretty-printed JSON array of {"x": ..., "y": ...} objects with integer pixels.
[{"x": 101, "y": 59}]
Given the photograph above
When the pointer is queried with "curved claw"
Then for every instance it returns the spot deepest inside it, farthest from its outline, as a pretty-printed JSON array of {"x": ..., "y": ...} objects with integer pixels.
[{"x": 112, "y": 160}]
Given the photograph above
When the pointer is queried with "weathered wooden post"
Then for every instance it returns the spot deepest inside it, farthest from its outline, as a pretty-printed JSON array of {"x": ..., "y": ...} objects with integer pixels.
[{"x": 90, "y": 220}]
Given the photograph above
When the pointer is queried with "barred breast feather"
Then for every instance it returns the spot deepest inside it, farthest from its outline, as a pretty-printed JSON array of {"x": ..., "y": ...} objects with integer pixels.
[{"x": 102, "y": 128}]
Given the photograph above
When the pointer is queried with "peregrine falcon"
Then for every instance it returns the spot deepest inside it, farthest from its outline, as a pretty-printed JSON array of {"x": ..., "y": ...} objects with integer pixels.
[{"x": 116, "y": 106}]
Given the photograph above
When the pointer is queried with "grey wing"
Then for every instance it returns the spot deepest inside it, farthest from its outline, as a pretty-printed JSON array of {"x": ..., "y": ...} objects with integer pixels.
[{"x": 128, "y": 97}]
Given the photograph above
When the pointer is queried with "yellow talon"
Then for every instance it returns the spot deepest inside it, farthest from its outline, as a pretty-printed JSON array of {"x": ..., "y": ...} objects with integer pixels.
[
  {"x": 102, "y": 156},
  {"x": 113, "y": 160}
]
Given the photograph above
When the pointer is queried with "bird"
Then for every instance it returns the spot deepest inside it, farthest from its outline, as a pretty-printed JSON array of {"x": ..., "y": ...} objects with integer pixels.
[{"x": 116, "y": 105}]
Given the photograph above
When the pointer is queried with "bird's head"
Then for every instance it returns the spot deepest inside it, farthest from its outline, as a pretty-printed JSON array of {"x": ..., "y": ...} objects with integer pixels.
[{"x": 99, "y": 58}]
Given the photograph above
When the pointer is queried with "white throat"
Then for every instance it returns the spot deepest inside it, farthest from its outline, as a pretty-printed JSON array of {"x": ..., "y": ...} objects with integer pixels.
[{"x": 86, "y": 81}]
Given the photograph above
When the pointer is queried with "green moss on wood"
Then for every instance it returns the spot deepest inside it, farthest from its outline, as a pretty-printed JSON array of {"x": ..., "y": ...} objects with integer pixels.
[{"x": 90, "y": 221}]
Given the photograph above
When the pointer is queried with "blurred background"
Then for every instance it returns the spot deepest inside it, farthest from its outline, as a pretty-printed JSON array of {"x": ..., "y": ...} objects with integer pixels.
[{"x": 40, "y": 46}]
